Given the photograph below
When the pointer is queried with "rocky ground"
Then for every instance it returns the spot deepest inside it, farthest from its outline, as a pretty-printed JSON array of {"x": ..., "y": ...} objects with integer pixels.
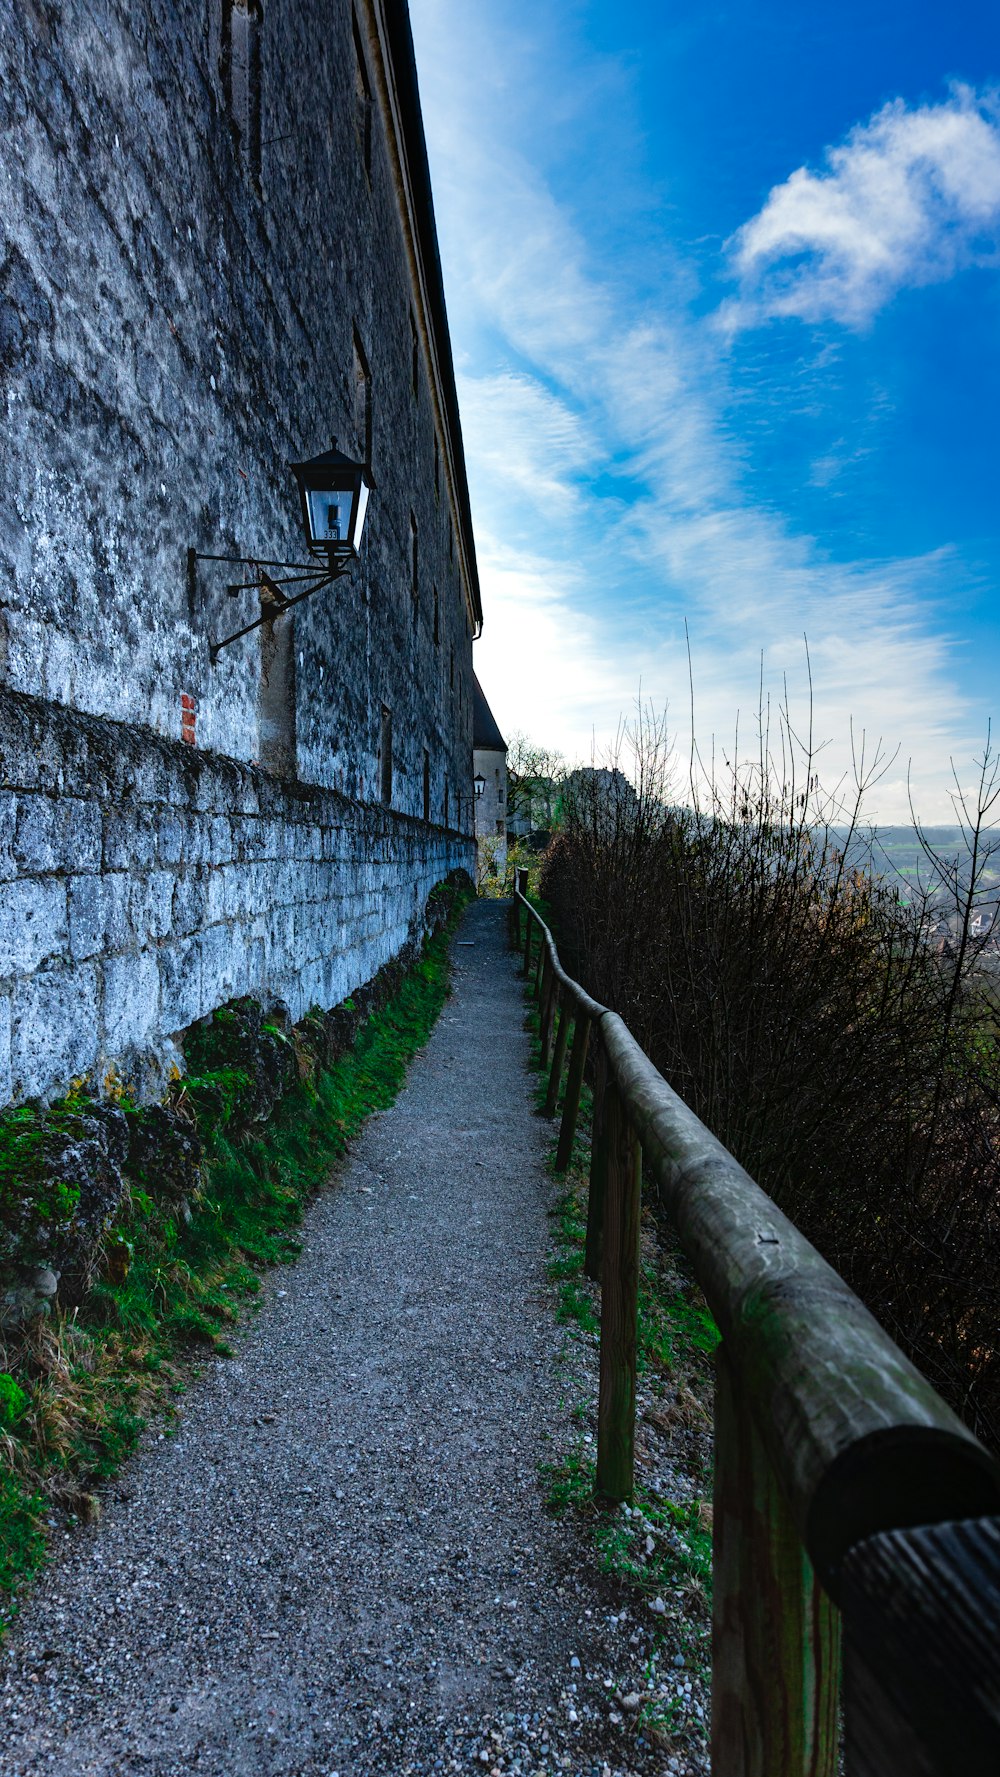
[{"x": 341, "y": 1562}]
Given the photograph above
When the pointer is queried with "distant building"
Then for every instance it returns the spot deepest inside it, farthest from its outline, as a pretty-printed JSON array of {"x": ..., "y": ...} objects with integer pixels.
[
  {"x": 600, "y": 798},
  {"x": 490, "y": 769}
]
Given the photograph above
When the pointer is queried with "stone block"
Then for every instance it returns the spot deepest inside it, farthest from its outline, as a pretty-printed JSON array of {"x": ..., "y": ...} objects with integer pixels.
[
  {"x": 215, "y": 901},
  {"x": 80, "y": 835},
  {"x": 256, "y": 840},
  {"x": 129, "y": 839},
  {"x": 86, "y": 917},
  {"x": 224, "y": 959},
  {"x": 220, "y": 840},
  {"x": 54, "y": 1029},
  {"x": 37, "y": 848},
  {"x": 131, "y": 1003},
  {"x": 180, "y": 983},
  {"x": 236, "y": 891},
  {"x": 260, "y": 887},
  {"x": 190, "y": 901},
  {"x": 32, "y": 924},
  {"x": 238, "y": 840},
  {"x": 197, "y": 840},
  {"x": 151, "y": 905},
  {"x": 169, "y": 838},
  {"x": 100, "y": 919}
]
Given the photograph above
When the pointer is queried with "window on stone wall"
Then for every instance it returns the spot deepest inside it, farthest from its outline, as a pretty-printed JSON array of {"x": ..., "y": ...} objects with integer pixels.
[
  {"x": 501, "y": 829},
  {"x": 276, "y": 747},
  {"x": 437, "y": 618},
  {"x": 385, "y": 756},
  {"x": 241, "y": 75},
  {"x": 414, "y": 355},
  {"x": 362, "y": 98},
  {"x": 414, "y": 569},
  {"x": 427, "y": 785},
  {"x": 362, "y": 400}
]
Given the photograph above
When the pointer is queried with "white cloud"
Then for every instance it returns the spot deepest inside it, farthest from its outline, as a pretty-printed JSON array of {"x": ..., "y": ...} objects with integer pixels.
[{"x": 910, "y": 198}]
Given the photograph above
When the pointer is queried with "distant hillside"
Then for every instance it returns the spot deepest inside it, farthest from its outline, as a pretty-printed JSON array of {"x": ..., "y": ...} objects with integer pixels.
[{"x": 897, "y": 852}]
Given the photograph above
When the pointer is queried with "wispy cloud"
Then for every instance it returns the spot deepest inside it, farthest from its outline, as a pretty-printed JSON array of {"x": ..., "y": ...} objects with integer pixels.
[
  {"x": 529, "y": 443},
  {"x": 609, "y": 488},
  {"x": 910, "y": 198}
]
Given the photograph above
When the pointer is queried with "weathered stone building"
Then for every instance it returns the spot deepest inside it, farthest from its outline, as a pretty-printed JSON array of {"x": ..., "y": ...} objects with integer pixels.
[{"x": 218, "y": 255}]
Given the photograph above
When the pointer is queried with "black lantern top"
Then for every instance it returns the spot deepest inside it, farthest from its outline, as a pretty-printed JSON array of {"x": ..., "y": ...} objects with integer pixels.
[
  {"x": 335, "y": 492},
  {"x": 480, "y": 783}
]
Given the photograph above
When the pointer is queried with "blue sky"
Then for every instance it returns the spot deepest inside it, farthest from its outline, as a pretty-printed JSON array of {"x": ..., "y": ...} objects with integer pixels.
[{"x": 724, "y": 290}]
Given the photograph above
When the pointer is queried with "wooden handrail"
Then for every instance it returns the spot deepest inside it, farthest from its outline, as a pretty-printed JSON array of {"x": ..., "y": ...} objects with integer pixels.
[{"x": 812, "y": 1391}]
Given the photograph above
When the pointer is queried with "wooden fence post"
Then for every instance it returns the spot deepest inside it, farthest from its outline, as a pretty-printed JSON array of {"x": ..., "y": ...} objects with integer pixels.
[
  {"x": 558, "y": 1061},
  {"x": 775, "y": 1632},
  {"x": 619, "y": 1303},
  {"x": 550, "y": 990},
  {"x": 574, "y": 1083},
  {"x": 540, "y": 967},
  {"x": 529, "y": 926},
  {"x": 598, "y": 1171},
  {"x": 553, "y": 1000}
]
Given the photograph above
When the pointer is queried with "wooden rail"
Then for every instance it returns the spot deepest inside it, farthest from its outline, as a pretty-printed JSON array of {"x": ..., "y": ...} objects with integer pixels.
[{"x": 850, "y": 1503}]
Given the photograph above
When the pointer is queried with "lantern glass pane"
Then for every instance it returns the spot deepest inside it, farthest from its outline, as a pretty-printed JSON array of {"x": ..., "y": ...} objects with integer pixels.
[
  {"x": 329, "y": 514},
  {"x": 359, "y": 523}
]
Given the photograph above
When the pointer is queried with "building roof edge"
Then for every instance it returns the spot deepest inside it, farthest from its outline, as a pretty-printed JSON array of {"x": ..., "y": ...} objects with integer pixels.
[
  {"x": 486, "y": 736},
  {"x": 396, "y": 15}
]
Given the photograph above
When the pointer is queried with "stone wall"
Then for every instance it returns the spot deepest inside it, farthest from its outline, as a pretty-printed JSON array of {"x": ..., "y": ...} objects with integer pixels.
[
  {"x": 143, "y": 883},
  {"x": 215, "y": 258},
  {"x": 183, "y": 312}
]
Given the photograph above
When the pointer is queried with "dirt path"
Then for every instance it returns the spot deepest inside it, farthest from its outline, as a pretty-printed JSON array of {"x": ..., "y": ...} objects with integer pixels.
[{"x": 341, "y": 1563}]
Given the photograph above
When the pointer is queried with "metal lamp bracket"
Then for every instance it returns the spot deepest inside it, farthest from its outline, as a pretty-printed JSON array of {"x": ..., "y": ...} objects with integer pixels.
[{"x": 310, "y": 577}]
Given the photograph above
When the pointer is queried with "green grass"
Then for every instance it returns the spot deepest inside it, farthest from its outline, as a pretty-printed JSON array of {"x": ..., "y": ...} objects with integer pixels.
[
  {"x": 683, "y": 1540},
  {"x": 22, "y": 1542},
  {"x": 85, "y": 1385}
]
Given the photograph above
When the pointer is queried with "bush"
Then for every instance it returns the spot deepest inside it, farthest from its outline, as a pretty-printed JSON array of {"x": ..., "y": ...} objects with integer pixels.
[{"x": 796, "y": 1002}]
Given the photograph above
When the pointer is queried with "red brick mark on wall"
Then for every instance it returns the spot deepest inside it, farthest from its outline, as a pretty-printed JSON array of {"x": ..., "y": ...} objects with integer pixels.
[{"x": 187, "y": 718}]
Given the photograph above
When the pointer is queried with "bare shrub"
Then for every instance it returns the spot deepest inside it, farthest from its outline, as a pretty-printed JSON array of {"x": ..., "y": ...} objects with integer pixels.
[{"x": 812, "y": 1017}]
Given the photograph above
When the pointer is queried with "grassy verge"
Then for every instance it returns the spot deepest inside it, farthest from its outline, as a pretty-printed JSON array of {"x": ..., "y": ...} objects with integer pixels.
[
  {"x": 77, "y": 1389},
  {"x": 658, "y": 1547}
]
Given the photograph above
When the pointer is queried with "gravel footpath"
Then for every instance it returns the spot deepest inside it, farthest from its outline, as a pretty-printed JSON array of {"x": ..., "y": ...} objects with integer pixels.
[{"x": 341, "y": 1563}]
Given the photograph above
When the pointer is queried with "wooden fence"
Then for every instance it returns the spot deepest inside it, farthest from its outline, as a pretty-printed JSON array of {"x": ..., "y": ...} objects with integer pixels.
[{"x": 856, "y": 1552}]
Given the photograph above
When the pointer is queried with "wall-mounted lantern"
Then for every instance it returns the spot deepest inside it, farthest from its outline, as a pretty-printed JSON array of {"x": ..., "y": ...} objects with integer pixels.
[
  {"x": 334, "y": 490},
  {"x": 480, "y": 783}
]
